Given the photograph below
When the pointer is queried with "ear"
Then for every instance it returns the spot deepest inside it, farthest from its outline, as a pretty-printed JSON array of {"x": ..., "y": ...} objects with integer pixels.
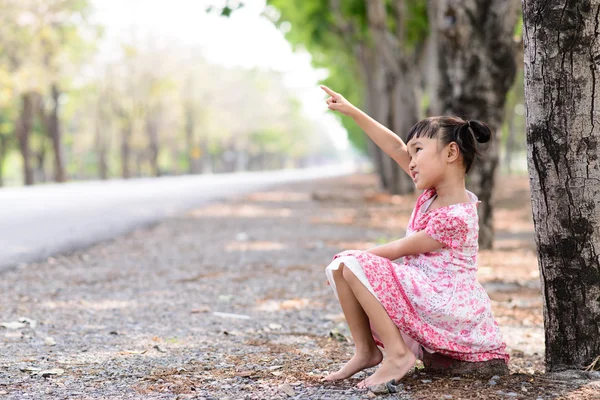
[{"x": 452, "y": 152}]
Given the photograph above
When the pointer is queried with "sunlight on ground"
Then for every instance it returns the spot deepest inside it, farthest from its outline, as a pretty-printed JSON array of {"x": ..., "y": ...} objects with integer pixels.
[
  {"x": 291, "y": 304},
  {"x": 90, "y": 305},
  {"x": 239, "y": 210},
  {"x": 278, "y": 197},
  {"x": 254, "y": 246}
]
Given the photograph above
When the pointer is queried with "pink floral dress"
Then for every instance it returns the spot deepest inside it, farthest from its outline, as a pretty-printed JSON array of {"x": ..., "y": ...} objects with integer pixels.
[{"x": 434, "y": 298}]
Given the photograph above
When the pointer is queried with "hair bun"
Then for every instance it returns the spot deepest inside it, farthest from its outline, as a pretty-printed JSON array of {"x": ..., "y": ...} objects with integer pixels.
[{"x": 482, "y": 132}]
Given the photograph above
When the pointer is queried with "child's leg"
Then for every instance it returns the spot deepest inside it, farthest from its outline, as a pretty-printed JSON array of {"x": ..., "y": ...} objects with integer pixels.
[
  {"x": 398, "y": 358},
  {"x": 367, "y": 354}
]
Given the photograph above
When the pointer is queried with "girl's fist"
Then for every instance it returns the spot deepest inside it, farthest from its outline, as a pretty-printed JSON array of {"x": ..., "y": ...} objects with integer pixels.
[{"x": 337, "y": 102}]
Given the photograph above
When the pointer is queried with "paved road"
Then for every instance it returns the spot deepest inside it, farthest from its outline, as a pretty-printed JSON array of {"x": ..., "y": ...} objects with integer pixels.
[{"x": 39, "y": 221}]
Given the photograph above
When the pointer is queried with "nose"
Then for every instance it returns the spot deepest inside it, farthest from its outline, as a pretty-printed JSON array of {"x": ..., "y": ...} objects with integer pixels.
[{"x": 411, "y": 164}]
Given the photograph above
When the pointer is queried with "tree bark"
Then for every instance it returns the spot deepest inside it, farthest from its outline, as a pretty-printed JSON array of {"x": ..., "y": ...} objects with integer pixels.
[
  {"x": 3, "y": 151},
  {"x": 391, "y": 84},
  {"x": 56, "y": 137},
  {"x": 25, "y": 123},
  {"x": 126, "y": 134},
  {"x": 154, "y": 147},
  {"x": 101, "y": 139},
  {"x": 190, "y": 123},
  {"x": 476, "y": 52},
  {"x": 562, "y": 55}
]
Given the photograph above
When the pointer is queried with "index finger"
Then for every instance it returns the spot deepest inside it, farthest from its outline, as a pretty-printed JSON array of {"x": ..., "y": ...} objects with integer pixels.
[{"x": 329, "y": 91}]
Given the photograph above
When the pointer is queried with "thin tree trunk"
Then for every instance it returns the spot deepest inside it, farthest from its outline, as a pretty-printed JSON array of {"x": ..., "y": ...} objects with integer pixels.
[
  {"x": 189, "y": 138},
  {"x": 392, "y": 85},
  {"x": 3, "y": 151},
  {"x": 56, "y": 137},
  {"x": 562, "y": 84},
  {"x": 510, "y": 141},
  {"x": 152, "y": 131},
  {"x": 40, "y": 171},
  {"x": 24, "y": 126},
  {"x": 102, "y": 145},
  {"x": 476, "y": 61},
  {"x": 126, "y": 150}
]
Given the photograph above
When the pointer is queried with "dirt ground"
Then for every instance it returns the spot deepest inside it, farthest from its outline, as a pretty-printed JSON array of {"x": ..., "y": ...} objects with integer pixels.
[{"x": 229, "y": 301}]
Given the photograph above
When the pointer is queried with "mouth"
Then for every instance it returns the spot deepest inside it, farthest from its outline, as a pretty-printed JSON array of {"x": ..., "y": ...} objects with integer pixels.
[{"x": 414, "y": 175}]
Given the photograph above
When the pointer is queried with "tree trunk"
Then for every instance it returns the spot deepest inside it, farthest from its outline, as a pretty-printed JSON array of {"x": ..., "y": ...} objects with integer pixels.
[
  {"x": 190, "y": 142},
  {"x": 152, "y": 131},
  {"x": 53, "y": 129},
  {"x": 510, "y": 141},
  {"x": 24, "y": 126},
  {"x": 126, "y": 150},
  {"x": 388, "y": 76},
  {"x": 40, "y": 156},
  {"x": 102, "y": 145},
  {"x": 3, "y": 151},
  {"x": 476, "y": 61},
  {"x": 563, "y": 109}
]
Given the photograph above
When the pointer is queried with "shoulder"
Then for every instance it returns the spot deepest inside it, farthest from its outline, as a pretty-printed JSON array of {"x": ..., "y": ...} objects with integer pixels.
[
  {"x": 465, "y": 213},
  {"x": 423, "y": 197}
]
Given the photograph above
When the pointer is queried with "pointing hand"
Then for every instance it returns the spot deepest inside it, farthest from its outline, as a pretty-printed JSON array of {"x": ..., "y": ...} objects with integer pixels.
[{"x": 337, "y": 102}]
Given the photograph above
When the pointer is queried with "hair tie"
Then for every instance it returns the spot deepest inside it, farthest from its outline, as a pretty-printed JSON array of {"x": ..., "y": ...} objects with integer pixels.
[{"x": 471, "y": 130}]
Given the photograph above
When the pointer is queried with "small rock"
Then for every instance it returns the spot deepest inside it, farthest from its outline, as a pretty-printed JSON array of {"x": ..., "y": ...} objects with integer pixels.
[
  {"x": 495, "y": 377},
  {"x": 274, "y": 367},
  {"x": 159, "y": 349},
  {"x": 447, "y": 396},
  {"x": 455, "y": 378},
  {"x": 492, "y": 382},
  {"x": 275, "y": 327},
  {"x": 371, "y": 395},
  {"x": 48, "y": 372},
  {"x": 30, "y": 369},
  {"x": 511, "y": 394},
  {"x": 13, "y": 325},
  {"x": 426, "y": 380},
  {"x": 379, "y": 389},
  {"x": 32, "y": 323},
  {"x": 50, "y": 341},
  {"x": 288, "y": 390},
  {"x": 391, "y": 386}
]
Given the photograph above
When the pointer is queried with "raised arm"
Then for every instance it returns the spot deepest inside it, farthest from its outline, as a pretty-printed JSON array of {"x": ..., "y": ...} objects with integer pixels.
[{"x": 387, "y": 140}]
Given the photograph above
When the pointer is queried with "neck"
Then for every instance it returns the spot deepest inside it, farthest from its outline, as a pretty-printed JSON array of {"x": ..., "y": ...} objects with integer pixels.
[{"x": 452, "y": 191}]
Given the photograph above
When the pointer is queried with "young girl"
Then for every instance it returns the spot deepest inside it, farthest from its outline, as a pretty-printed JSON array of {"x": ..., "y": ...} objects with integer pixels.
[{"x": 430, "y": 301}]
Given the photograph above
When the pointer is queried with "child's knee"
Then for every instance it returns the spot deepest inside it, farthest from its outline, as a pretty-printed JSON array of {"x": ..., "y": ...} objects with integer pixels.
[
  {"x": 348, "y": 274},
  {"x": 339, "y": 272}
]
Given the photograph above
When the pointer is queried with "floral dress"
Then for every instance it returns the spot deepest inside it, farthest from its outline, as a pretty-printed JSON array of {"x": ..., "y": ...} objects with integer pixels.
[{"x": 434, "y": 298}]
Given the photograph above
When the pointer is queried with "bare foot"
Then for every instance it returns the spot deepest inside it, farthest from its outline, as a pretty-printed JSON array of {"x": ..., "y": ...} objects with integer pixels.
[
  {"x": 392, "y": 368},
  {"x": 357, "y": 363}
]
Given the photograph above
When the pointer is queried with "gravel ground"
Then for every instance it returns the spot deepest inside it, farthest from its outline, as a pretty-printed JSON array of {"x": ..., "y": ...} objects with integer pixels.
[{"x": 229, "y": 302}]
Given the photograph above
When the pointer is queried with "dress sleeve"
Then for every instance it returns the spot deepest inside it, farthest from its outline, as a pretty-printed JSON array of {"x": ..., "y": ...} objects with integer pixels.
[{"x": 450, "y": 230}]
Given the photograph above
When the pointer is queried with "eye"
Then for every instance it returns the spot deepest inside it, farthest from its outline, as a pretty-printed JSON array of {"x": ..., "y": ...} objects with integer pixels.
[{"x": 417, "y": 149}]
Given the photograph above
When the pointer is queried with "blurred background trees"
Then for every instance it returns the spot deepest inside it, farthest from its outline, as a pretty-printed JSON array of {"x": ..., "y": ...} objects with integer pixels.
[
  {"x": 160, "y": 107},
  {"x": 155, "y": 109}
]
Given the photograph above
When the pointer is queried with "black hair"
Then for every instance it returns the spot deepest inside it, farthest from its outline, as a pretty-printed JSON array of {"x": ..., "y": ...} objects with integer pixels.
[{"x": 454, "y": 129}]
